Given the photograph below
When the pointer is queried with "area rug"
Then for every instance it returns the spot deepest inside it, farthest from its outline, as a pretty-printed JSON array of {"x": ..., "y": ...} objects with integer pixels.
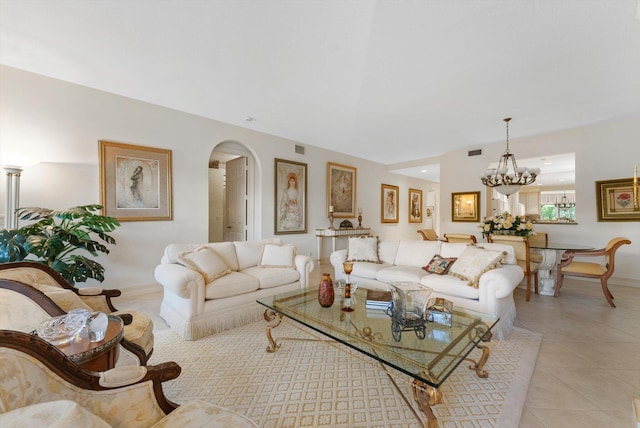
[{"x": 313, "y": 383}]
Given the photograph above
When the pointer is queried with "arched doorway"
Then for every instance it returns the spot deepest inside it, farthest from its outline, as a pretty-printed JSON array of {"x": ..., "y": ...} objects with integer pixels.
[{"x": 224, "y": 219}]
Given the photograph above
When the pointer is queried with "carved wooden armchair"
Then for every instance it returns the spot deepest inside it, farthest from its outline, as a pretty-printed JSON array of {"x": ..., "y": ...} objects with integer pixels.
[
  {"x": 601, "y": 269},
  {"x": 523, "y": 256},
  {"x": 51, "y": 296},
  {"x": 428, "y": 234},
  {"x": 41, "y": 386}
]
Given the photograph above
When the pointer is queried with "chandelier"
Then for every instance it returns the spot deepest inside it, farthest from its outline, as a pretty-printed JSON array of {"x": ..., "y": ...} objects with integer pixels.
[
  {"x": 508, "y": 177},
  {"x": 564, "y": 202}
]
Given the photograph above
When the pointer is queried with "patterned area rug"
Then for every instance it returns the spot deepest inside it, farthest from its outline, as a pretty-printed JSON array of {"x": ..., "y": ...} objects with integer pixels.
[{"x": 313, "y": 383}]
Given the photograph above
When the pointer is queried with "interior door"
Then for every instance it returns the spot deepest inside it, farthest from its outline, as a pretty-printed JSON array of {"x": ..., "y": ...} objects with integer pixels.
[{"x": 236, "y": 170}]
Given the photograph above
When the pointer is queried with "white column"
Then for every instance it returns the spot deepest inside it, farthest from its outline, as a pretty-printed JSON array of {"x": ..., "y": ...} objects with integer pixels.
[{"x": 12, "y": 197}]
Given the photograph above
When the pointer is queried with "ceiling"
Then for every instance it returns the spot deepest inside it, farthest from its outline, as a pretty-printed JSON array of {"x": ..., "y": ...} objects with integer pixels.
[{"x": 395, "y": 82}]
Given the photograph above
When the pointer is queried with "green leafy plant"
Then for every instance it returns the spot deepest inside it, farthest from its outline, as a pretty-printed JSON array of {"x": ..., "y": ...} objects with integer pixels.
[{"x": 55, "y": 237}]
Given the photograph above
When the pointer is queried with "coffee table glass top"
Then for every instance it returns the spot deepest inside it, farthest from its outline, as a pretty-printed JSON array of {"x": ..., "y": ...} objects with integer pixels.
[{"x": 430, "y": 359}]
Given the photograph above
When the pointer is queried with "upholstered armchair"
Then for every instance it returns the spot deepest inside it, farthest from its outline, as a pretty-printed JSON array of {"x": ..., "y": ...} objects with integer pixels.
[
  {"x": 51, "y": 296},
  {"x": 523, "y": 256},
  {"x": 460, "y": 238},
  {"x": 601, "y": 268},
  {"x": 41, "y": 386}
]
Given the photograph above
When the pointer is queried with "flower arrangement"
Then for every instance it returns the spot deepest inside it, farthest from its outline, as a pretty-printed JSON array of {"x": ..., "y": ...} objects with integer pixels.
[{"x": 506, "y": 224}]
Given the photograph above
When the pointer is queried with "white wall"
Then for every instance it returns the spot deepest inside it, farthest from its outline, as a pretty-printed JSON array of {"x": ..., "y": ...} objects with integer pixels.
[
  {"x": 61, "y": 123},
  {"x": 603, "y": 152}
]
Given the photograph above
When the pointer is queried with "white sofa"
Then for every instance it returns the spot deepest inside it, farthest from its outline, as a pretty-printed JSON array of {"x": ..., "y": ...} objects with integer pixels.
[
  {"x": 403, "y": 260},
  {"x": 213, "y": 287}
]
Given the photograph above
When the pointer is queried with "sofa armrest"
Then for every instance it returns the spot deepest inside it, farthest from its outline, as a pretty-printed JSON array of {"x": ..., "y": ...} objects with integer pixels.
[
  {"x": 305, "y": 266},
  {"x": 500, "y": 282},
  {"x": 180, "y": 280}
]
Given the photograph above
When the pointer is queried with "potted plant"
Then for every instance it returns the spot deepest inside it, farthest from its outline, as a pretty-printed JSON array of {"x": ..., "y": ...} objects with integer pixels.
[{"x": 55, "y": 237}]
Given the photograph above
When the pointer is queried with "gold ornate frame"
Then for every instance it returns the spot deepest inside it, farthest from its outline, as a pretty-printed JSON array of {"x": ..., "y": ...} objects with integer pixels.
[
  {"x": 135, "y": 182},
  {"x": 415, "y": 206},
  {"x": 465, "y": 206},
  {"x": 389, "y": 204},
  {"x": 341, "y": 190},
  {"x": 617, "y": 200}
]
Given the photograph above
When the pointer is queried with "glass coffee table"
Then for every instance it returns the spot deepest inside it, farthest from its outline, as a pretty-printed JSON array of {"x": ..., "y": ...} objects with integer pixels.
[{"x": 429, "y": 356}]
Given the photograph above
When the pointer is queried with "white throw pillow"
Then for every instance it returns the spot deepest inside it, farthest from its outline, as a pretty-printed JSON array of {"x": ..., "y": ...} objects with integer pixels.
[
  {"x": 363, "y": 249},
  {"x": 281, "y": 256},
  {"x": 205, "y": 261},
  {"x": 473, "y": 262}
]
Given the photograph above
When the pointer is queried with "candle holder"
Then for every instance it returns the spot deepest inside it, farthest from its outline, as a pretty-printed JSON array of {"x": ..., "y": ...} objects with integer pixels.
[
  {"x": 331, "y": 222},
  {"x": 359, "y": 221},
  {"x": 348, "y": 268}
]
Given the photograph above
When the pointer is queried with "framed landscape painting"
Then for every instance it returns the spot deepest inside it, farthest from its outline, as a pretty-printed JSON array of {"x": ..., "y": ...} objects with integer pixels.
[
  {"x": 465, "y": 206},
  {"x": 341, "y": 190},
  {"x": 617, "y": 200},
  {"x": 290, "y": 197},
  {"x": 389, "y": 204},
  {"x": 135, "y": 182},
  {"x": 415, "y": 206}
]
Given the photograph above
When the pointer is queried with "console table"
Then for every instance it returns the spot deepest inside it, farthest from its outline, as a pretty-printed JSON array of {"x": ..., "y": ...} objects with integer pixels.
[{"x": 336, "y": 233}]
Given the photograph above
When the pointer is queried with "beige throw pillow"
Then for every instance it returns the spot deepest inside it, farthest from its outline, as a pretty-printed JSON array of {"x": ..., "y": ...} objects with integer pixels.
[
  {"x": 363, "y": 249},
  {"x": 473, "y": 262},
  {"x": 281, "y": 256},
  {"x": 205, "y": 261}
]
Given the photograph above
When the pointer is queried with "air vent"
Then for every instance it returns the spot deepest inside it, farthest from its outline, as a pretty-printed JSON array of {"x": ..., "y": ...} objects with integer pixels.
[
  {"x": 299, "y": 149},
  {"x": 475, "y": 152}
]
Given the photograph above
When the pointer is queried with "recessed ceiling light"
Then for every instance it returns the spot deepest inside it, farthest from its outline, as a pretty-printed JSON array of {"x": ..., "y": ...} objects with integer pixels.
[
  {"x": 423, "y": 170},
  {"x": 547, "y": 163},
  {"x": 249, "y": 119}
]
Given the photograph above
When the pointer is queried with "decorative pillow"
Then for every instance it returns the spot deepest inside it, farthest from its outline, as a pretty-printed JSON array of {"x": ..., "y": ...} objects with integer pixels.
[
  {"x": 206, "y": 262},
  {"x": 473, "y": 262},
  {"x": 363, "y": 249},
  {"x": 282, "y": 256},
  {"x": 439, "y": 265}
]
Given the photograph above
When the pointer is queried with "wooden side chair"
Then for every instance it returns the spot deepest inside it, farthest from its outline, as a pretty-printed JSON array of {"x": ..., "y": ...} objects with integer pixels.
[
  {"x": 538, "y": 238},
  {"x": 55, "y": 296},
  {"x": 602, "y": 269},
  {"x": 523, "y": 255},
  {"x": 428, "y": 234},
  {"x": 460, "y": 238}
]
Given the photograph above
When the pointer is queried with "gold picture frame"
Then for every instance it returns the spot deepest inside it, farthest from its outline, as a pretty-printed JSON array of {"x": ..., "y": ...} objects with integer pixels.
[
  {"x": 135, "y": 182},
  {"x": 341, "y": 190},
  {"x": 290, "y": 215},
  {"x": 465, "y": 206},
  {"x": 389, "y": 207},
  {"x": 415, "y": 206},
  {"x": 615, "y": 200}
]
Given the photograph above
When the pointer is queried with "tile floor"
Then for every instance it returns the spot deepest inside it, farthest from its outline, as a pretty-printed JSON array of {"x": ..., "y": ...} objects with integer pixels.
[{"x": 588, "y": 368}]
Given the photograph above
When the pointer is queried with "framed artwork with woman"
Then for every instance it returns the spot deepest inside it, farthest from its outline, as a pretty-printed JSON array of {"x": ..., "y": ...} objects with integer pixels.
[
  {"x": 389, "y": 204},
  {"x": 290, "y": 197}
]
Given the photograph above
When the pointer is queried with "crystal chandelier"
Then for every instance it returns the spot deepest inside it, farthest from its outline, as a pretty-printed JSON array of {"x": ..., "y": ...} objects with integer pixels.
[{"x": 508, "y": 177}]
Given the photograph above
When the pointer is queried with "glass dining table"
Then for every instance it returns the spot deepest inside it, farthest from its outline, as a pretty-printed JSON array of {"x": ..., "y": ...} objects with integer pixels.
[{"x": 551, "y": 256}]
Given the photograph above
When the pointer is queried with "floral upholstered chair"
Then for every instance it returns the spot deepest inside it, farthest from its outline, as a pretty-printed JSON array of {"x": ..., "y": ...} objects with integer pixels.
[{"x": 41, "y": 386}]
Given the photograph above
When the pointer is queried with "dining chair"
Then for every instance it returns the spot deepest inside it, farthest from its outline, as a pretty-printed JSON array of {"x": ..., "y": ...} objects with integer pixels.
[
  {"x": 602, "y": 269},
  {"x": 428, "y": 234},
  {"x": 539, "y": 238},
  {"x": 521, "y": 247},
  {"x": 460, "y": 238}
]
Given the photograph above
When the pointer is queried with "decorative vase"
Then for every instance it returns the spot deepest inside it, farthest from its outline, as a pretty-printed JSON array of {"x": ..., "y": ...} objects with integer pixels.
[{"x": 326, "y": 294}]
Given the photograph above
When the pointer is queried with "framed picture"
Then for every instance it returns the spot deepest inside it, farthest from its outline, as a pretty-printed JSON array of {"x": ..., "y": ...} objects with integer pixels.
[
  {"x": 290, "y": 197},
  {"x": 617, "y": 200},
  {"x": 415, "y": 206},
  {"x": 429, "y": 212},
  {"x": 135, "y": 182},
  {"x": 465, "y": 206},
  {"x": 341, "y": 190},
  {"x": 389, "y": 204}
]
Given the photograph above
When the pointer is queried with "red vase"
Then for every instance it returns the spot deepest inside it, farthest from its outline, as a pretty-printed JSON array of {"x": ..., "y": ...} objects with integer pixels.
[{"x": 326, "y": 294}]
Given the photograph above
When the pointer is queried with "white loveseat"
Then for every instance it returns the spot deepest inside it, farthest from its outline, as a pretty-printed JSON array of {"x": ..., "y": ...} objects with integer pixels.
[
  {"x": 404, "y": 260},
  {"x": 213, "y": 287}
]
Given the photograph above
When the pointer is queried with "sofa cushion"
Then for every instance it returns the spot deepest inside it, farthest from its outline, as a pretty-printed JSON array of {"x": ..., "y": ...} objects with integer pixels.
[
  {"x": 368, "y": 270},
  {"x": 439, "y": 265},
  {"x": 227, "y": 251},
  {"x": 450, "y": 286},
  {"x": 400, "y": 274},
  {"x": 452, "y": 249},
  {"x": 473, "y": 262},
  {"x": 248, "y": 252},
  {"x": 363, "y": 249},
  {"x": 206, "y": 262},
  {"x": 278, "y": 256},
  {"x": 387, "y": 251},
  {"x": 53, "y": 414},
  {"x": 509, "y": 252},
  {"x": 416, "y": 253},
  {"x": 231, "y": 285},
  {"x": 273, "y": 277}
]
